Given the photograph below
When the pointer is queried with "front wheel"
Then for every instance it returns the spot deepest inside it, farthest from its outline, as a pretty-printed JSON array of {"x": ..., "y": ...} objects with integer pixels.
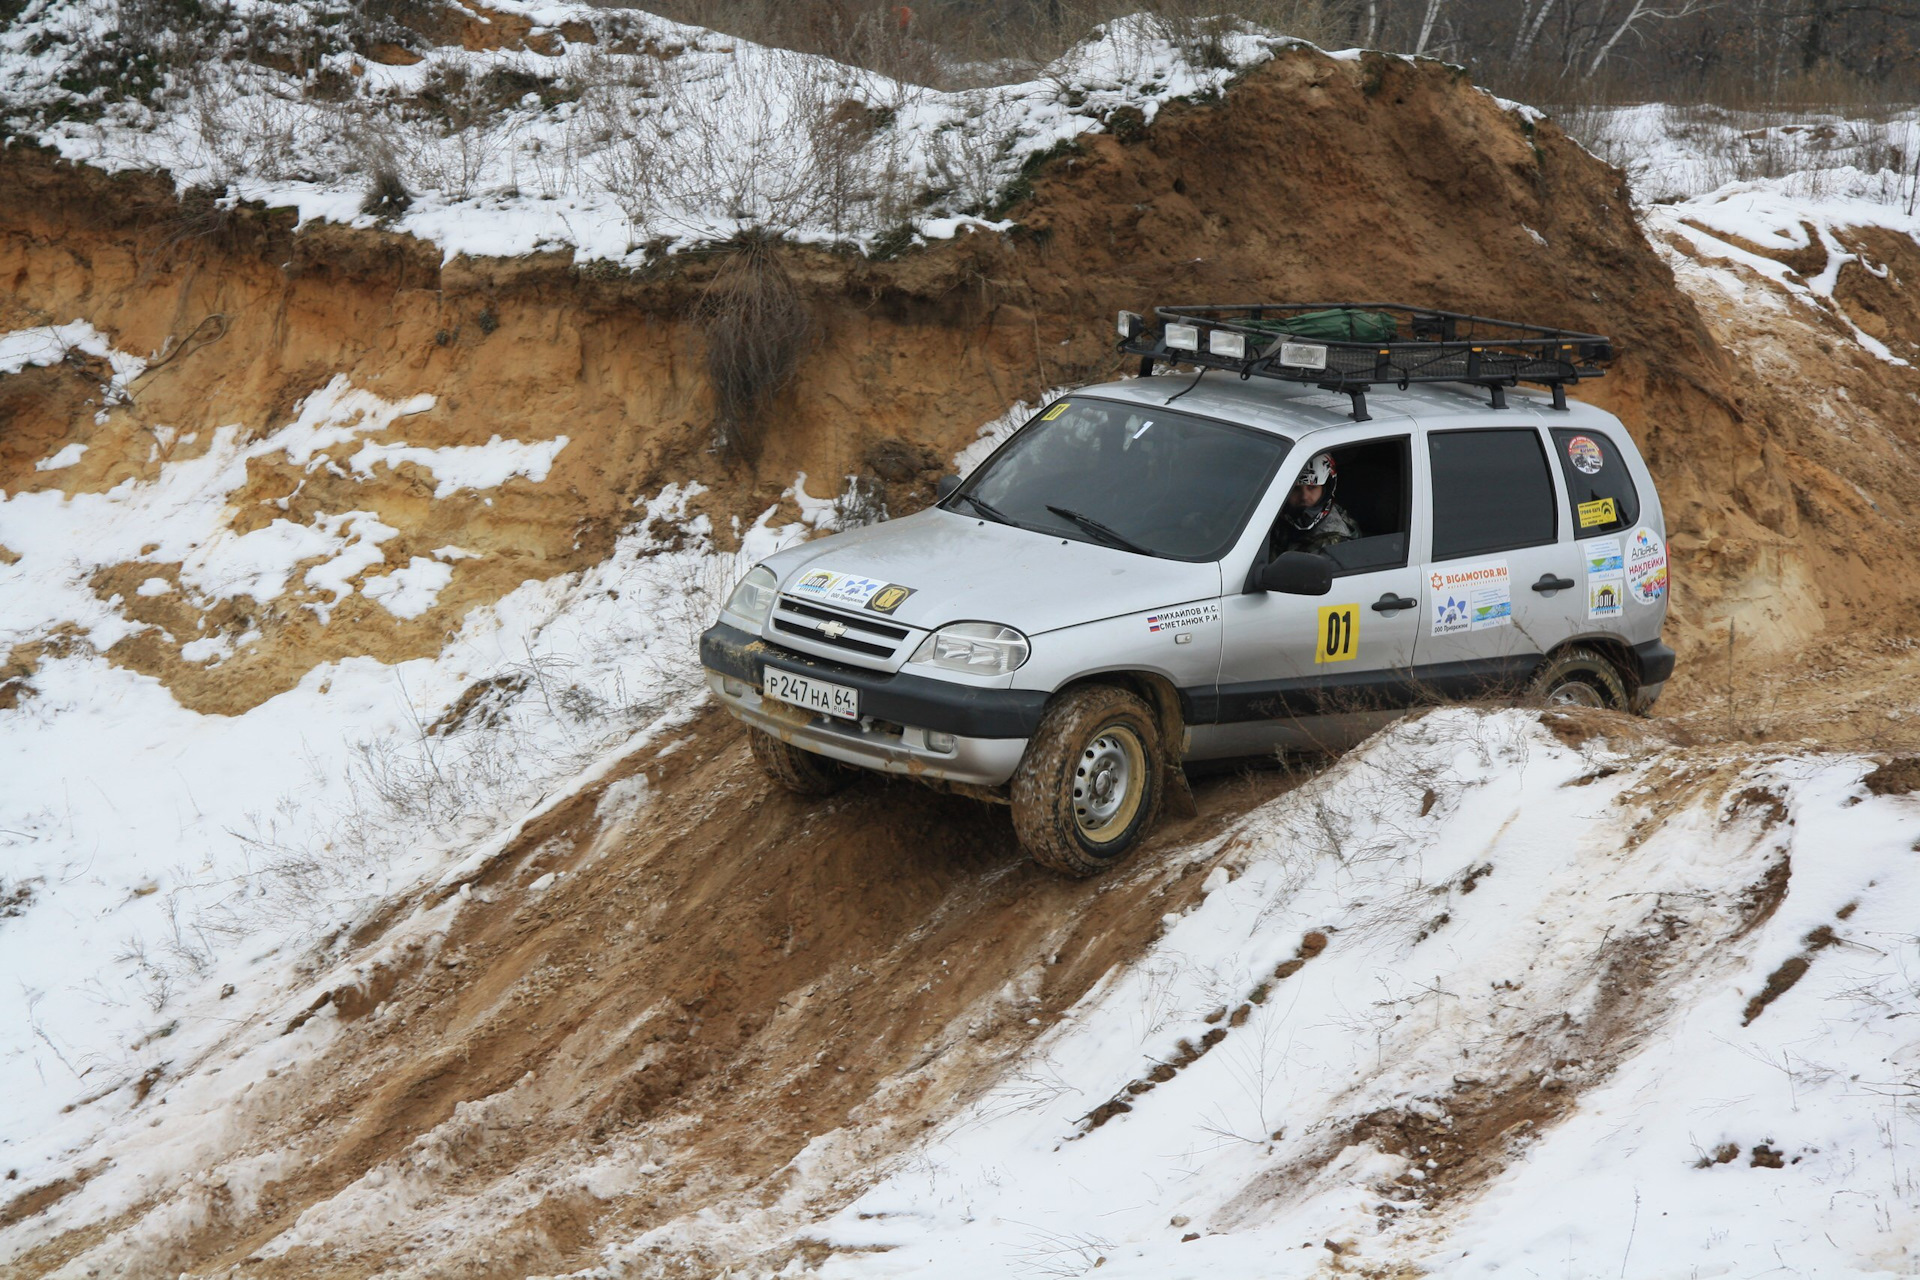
[
  {"x": 1088, "y": 787},
  {"x": 1581, "y": 677},
  {"x": 801, "y": 772}
]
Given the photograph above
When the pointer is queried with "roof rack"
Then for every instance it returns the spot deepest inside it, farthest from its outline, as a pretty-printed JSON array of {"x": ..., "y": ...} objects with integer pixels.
[{"x": 1350, "y": 346}]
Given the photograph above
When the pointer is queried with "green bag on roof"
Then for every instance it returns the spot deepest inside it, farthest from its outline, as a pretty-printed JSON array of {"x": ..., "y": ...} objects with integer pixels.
[{"x": 1340, "y": 324}]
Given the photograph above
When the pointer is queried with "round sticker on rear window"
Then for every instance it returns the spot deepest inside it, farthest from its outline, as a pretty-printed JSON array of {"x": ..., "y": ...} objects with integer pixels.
[{"x": 1584, "y": 454}]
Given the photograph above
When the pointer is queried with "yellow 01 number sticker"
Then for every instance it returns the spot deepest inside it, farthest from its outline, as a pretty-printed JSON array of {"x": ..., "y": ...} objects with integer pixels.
[{"x": 1339, "y": 633}]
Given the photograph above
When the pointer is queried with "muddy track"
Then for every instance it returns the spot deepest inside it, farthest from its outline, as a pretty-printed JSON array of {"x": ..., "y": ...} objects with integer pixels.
[{"x": 701, "y": 992}]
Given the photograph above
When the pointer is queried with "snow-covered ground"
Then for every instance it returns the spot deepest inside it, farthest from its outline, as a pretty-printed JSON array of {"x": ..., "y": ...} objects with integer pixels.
[
  {"x": 1672, "y": 152},
  {"x": 1407, "y": 970},
  {"x": 688, "y": 137},
  {"x": 164, "y": 873},
  {"x": 1727, "y": 183}
]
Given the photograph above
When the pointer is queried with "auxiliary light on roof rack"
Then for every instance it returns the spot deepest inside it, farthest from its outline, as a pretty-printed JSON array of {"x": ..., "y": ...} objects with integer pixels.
[{"x": 1350, "y": 346}]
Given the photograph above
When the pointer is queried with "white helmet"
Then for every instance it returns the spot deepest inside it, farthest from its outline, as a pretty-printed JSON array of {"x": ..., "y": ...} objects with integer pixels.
[{"x": 1318, "y": 471}]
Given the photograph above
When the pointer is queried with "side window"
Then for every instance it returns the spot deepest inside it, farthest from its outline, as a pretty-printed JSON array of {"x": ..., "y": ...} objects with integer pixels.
[
  {"x": 1604, "y": 499},
  {"x": 1366, "y": 527},
  {"x": 1491, "y": 492}
]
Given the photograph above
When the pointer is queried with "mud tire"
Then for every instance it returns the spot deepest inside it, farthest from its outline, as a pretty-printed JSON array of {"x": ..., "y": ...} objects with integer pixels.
[
  {"x": 1091, "y": 723},
  {"x": 1581, "y": 677},
  {"x": 801, "y": 772}
]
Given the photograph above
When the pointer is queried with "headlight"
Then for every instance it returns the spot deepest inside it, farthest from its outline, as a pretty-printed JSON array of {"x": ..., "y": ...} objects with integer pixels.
[
  {"x": 982, "y": 648},
  {"x": 753, "y": 598}
]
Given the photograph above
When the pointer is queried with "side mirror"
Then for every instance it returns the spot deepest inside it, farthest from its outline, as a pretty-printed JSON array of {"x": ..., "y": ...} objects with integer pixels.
[
  {"x": 944, "y": 486},
  {"x": 1296, "y": 573}
]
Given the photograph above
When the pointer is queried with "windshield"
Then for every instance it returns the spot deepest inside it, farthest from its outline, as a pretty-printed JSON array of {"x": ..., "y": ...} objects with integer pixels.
[{"x": 1136, "y": 477}]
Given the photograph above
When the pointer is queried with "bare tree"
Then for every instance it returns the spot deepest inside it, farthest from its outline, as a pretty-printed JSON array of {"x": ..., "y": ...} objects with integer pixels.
[
  {"x": 1529, "y": 29},
  {"x": 1426, "y": 27},
  {"x": 1643, "y": 11}
]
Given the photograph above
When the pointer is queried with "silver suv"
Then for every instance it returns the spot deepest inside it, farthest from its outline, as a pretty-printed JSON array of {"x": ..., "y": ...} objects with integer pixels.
[{"x": 1132, "y": 580}]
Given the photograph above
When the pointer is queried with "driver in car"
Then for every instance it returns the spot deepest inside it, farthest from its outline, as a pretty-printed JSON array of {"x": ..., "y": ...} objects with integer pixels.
[{"x": 1310, "y": 520}]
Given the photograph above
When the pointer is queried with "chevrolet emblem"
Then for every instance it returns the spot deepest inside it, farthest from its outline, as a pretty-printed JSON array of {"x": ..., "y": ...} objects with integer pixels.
[{"x": 833, "y": 630}]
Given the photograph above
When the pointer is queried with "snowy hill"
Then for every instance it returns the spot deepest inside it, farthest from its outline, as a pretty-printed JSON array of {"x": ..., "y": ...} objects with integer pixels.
[{"x": 607, "y": 134}]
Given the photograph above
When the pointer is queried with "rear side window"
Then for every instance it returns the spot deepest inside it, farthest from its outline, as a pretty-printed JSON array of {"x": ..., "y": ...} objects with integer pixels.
[
  {"x": 1491, "y": 492},
  {"x": 1602, "y": 493}
]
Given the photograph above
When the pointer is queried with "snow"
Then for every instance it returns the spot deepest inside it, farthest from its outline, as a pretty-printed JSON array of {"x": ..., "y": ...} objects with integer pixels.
[
  {"x": 410, "y": 591},
  {"x": 53, "y": 344},
  {"x": 1546, "y": 911},
  {"x": 50, "y": 344},
  {"x": 458, "y": 467},
  {"x": 1765, "y": 215},
  {"x": 67, "y": 457},
  {"x": 179, "y": 518},
  {"x": 165, "y": 854},
  {"x": 637, "y": 154},
  {"x": 1726, "y": 184}
]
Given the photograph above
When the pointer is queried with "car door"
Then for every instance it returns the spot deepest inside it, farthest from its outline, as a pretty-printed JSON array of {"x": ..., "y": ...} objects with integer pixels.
[
  {"x": 1297, "y": 669},
  {"x": 1504, "y": 582}
]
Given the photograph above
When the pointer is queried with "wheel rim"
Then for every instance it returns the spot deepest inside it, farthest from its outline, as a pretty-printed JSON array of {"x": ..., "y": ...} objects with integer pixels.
[
  {"x": 1577, "y": 692},
  {"x": 1108, "y": 780}
]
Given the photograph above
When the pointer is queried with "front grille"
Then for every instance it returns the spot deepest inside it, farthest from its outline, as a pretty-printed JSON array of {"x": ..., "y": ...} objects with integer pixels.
[
  {"x": 841, "y": 642},
  {"x": 841, "y": 631},
  {"x": 888, "y": 629}
]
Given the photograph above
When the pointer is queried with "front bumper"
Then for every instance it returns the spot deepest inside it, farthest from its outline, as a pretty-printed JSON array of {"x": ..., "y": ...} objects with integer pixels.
[{"x": 989, "y": 727}]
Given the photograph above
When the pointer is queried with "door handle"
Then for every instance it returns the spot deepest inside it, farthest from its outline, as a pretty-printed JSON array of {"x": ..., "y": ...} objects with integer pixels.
[
  {"x": 1391, "y": 603},
  {"x": 1549, "y": 583}
]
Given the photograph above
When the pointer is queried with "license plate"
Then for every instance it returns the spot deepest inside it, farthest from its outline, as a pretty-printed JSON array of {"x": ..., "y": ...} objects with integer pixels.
[{"x": 814, "y": 695}]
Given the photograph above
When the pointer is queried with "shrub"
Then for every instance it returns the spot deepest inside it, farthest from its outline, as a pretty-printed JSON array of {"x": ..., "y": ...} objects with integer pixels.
[{"x": 757, "y": 327}]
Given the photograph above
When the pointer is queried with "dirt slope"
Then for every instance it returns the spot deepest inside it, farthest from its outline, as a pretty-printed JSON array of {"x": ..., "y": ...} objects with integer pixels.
[{"x": 705, "y": 987}]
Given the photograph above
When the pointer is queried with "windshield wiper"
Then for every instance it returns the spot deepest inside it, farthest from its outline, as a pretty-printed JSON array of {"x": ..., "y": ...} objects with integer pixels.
[
  {"x": 1099, "y": 530},
  {"x": 987, "y": 509}
]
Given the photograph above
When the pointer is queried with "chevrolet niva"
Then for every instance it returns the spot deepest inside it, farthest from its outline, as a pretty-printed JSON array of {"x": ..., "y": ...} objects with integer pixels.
[{"x": 1169, "y": 569}]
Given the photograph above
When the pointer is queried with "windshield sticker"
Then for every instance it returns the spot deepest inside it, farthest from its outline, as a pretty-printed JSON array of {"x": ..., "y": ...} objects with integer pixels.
[
  {"x": 1606, "y": 579},
  {"x": 1471, "y": 597},
  {"x": 1056, "y": 411},
  {"x": 889, "y": 598},
  {"x": 1339, "y": 633},
  {"x": 1585, "y": 455},
  {"x": 1646, "y": 565},
  {"x": 1188, "y": 615},
  {"x": 842, "y": 588},
  {"x": 1599, "y": 511}
]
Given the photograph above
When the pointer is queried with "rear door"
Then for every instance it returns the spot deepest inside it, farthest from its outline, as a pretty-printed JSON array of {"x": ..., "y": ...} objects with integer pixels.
[
  {"x": 1604, "y": 506},
  {"x": 1504, "y": 582}
]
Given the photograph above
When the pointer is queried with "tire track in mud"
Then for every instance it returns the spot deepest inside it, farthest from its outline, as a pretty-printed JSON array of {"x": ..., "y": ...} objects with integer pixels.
[{"x": 690, "y": 1000}]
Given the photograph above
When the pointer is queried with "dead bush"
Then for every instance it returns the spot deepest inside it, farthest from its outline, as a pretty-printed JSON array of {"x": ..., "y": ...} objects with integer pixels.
[{"x": 757, "y": 327}]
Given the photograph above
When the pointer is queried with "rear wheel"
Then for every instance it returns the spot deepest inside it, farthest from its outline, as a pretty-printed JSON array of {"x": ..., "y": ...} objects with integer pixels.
[
  {"x": 1581, "y": 677},
  {"x": 801, "y": 772},
  {"x": 1088, "y": 787}
]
